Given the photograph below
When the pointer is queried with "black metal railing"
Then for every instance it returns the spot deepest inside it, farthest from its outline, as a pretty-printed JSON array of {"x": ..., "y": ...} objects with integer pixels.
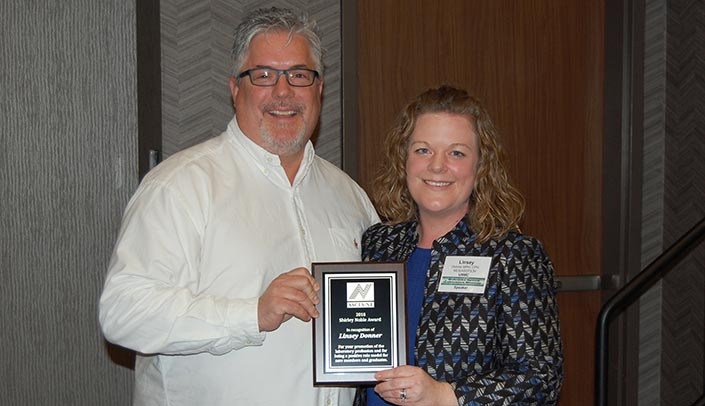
[{"x": 632, "y": 291}]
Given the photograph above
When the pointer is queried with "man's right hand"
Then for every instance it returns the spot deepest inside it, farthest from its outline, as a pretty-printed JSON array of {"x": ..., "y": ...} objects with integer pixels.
[{"x": 291, "y": 294}]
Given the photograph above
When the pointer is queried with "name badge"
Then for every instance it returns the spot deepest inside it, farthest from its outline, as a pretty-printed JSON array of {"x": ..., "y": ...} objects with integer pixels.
[{"x": 465, "y": 274}]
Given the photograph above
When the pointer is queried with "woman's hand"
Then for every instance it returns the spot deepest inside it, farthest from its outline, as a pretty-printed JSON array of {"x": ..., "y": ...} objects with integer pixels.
[{"x": 410, "y": 385}]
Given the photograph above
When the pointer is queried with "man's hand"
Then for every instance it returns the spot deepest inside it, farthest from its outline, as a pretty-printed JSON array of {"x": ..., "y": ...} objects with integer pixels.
[{"x": 293, "y": 293}]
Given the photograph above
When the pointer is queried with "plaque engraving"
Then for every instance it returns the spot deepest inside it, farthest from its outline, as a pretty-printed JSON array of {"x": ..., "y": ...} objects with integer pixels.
[{"x": 362, "y": 327}]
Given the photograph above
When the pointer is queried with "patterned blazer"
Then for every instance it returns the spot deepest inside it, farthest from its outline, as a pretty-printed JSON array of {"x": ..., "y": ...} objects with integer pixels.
[{"x": 501, "y": 347}]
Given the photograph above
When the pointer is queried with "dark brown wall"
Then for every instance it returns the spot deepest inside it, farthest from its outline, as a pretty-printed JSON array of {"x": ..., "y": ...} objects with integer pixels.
[{"x": 538, "y": 66}]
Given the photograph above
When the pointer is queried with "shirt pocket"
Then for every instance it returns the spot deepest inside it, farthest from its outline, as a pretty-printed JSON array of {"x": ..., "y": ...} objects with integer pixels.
[{"x": 346, "y": 243}]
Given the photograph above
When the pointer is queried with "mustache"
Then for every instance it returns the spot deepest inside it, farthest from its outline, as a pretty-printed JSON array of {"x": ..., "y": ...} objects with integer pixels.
[{"x": 296, "y": 107}]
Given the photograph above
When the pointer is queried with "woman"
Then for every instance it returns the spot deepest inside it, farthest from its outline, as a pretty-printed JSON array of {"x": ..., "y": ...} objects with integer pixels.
[{"x": 445, "y": 197}]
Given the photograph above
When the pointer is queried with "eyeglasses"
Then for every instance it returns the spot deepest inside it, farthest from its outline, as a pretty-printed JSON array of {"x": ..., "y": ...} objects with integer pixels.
[{"x": 299, "y": 77}]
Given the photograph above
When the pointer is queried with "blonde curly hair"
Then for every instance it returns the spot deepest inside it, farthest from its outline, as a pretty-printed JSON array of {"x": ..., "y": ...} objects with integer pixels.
[{"x": 495, "y": 207}]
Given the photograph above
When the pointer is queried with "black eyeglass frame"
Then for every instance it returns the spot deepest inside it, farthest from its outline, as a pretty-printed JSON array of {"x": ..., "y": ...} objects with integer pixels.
[{"x": 280, "y": 72}]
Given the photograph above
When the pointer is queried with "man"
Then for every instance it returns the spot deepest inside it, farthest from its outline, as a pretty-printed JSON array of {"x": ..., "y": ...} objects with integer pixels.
[{"x": 209, "y": 281}]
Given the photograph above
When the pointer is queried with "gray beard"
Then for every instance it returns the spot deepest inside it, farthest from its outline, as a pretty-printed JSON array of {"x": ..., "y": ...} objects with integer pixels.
[{"x": 283, "y": 148}]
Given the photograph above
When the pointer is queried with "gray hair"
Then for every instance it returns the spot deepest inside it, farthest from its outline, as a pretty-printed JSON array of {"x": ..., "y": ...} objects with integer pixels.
[{"x": 275, "y": 19}]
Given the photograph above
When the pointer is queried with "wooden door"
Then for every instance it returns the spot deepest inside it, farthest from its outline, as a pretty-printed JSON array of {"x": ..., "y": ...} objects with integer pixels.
[{"x": 538, "y": 66}]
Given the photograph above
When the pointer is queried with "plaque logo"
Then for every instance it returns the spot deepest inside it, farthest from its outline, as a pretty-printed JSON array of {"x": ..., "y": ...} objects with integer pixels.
[{"x": 361, "y": 295}]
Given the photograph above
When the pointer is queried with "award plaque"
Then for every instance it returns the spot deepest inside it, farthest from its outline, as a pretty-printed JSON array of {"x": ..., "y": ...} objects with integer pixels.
[{"x": 362, "y": 326}]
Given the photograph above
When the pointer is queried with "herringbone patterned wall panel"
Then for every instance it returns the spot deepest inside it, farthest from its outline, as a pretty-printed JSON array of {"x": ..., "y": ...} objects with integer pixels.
[
  {"x": 672, "y": 354},
  {"x": 196, "y": 41},
  {"x": 684, "y": 189},
  {"x": 650, "y": 327}
]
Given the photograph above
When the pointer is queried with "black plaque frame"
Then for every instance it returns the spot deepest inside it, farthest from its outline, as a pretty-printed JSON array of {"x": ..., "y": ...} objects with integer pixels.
[{"x": 351, "y": 344}]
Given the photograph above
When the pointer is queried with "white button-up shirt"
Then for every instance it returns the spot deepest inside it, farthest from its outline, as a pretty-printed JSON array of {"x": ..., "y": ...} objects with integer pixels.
[{"x": 204, "y": 235}]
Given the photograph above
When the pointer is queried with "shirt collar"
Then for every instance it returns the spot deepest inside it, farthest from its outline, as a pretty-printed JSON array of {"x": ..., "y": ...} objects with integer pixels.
[{"x": 265, "y": 158}]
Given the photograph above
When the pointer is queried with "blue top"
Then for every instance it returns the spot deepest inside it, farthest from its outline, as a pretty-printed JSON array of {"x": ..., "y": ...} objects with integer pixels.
[{"x": 416, "y": 269}]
